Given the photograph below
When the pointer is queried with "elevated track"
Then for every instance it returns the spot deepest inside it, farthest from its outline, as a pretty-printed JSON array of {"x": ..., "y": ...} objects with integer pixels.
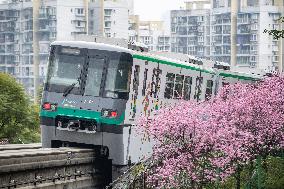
[{"x": 30, "y": 166}]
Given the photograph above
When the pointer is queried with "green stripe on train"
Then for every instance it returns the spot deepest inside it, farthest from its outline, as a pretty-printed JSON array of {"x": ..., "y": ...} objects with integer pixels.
[
  {"x": 238, "y": 76},
  {"x": 87, "y": 114},
  {"x": 191, "y": 67},
  {"x": 170, "y": 63}
]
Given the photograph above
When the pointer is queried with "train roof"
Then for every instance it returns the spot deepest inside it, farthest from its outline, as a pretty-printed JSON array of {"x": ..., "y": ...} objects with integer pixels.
[
  {"x": 170, "y": 61},
  {"x": 202, "y": 68},
  {"x": 91, "y": 45},
  {"x": 160, "y": 58}
]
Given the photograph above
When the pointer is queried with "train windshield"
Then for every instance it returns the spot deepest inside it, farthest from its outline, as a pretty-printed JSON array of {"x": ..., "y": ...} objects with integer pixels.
[
  {"x": 101, "y": 73},
  {"x": 65, "y": 69}
]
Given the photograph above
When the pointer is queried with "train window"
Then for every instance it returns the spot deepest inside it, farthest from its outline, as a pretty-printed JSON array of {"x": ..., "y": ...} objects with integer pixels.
[
  {"x": 94, "y": 77},
  {"x": 178, "y": 86},
  {"x": 155, "y": 85},
  {"x": 198, "y": 88},
  {"x": 170, "y": 79},
  {"x": 187, "y": 87},
  {"x": 145, "y": 82},
  {"x": 64, "y": 70},
  {"x": 209, "y": 89},
  {"x": 136, "y": 79},
  {"x": 118, "y": 76},
  {"x": 135, "y": 89}
]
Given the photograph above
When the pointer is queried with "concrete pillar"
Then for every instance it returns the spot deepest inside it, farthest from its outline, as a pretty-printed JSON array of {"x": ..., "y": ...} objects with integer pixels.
[
  {"x": 234, "y": 17},
  {"x": 103, "y": 17},
  {"x": 86, "y": 2},
  {"x": 244, "y": 3},
  {"x": 36, "y": 6}
]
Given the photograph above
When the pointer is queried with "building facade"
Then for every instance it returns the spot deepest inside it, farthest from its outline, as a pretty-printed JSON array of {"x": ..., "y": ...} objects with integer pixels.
[
  {"x": 56, "y": 21},
  {"x": 109, "y": 18},
  {"x": 150, "y": 33},
  {"x": 190, "y": 31},
  {"x": 255, "y": 49}
]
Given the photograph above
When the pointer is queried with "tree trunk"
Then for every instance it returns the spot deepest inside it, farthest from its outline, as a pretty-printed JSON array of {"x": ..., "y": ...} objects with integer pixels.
[{"x": 238, "y": 178}]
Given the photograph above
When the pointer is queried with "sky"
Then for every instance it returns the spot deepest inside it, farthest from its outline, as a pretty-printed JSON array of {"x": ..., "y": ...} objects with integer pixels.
[{"x": 155, "y": 9}]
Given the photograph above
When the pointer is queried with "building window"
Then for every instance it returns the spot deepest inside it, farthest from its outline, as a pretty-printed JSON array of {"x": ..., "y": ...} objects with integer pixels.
[
  {"x": 252, "y": 59},
  {"x": 108, "y": 24},
  {"x": 80, "y": 11},
  {"x": 108, "y": 12},
  {"x": 92, "y": 12},
  {"x": 253, "y": 37}
]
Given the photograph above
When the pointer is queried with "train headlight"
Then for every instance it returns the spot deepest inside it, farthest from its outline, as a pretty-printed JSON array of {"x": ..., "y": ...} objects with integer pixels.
[
  {"x": 105, "y": 113},
  {"x": 109, "y": 113},
  {"x": 59, "y": 124}
]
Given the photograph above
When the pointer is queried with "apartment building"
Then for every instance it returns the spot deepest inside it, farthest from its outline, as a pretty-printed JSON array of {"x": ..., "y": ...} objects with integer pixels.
[
  {"x": 190, "y": 29},
  {"x": 109, "y": 18},
  {"x": 255, "y": 49},
  {"x": 150, "y": 33},
  {"x": 57, "y": 19}
]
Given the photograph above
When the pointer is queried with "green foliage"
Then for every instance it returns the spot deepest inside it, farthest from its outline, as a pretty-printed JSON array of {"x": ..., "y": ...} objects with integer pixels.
[
  {"x": 274, "y": 173},
  {"x": 39, "y": 94},
  {"x": 277, "y": 34},
  {"x": 19, "y": 121},
  {"x": 271, "y": 175}
]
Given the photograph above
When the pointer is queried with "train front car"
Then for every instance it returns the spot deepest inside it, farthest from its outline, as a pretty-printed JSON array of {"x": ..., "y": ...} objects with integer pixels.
[{"x": 84, "y": 97}]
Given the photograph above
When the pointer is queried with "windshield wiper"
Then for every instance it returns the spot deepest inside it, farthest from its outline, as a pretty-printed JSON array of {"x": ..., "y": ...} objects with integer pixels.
[{"x": 68, "y": 89}]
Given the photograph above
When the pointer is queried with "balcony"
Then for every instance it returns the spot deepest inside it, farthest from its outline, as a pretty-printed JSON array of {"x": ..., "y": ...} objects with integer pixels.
[
  {"x": 243, "y": 53},
  {"x": 46, "y": 16},
  {"x": 44, "y": 41},
  {"x": 79, "y": 18},
  {"x": 9, "y": 30},
  {"x": 28, "y": 29},
  {"x": 275, "y": 59},
  {"x": 78, "y": 32},
  {"x": 80, "y": 14},
  {"x": 8, "y": 42}
]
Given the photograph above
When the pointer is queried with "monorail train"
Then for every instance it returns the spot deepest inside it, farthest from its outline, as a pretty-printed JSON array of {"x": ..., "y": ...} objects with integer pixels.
[{"x": 94, "y": 93}]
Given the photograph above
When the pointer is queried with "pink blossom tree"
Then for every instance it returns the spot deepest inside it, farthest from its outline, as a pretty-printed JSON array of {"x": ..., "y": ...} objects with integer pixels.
[{"x": 202, "y": 143}]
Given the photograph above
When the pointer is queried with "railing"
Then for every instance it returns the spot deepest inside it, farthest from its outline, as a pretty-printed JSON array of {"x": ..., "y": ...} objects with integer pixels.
[
  {"x": 4, "y": 141},
  {"x": 251, "y": 177}
]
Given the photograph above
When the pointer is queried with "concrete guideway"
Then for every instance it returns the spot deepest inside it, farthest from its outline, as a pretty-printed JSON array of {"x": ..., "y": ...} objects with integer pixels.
[
  {"x": 19, "y": 146},
  {"x": 30, "y": 166}
]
